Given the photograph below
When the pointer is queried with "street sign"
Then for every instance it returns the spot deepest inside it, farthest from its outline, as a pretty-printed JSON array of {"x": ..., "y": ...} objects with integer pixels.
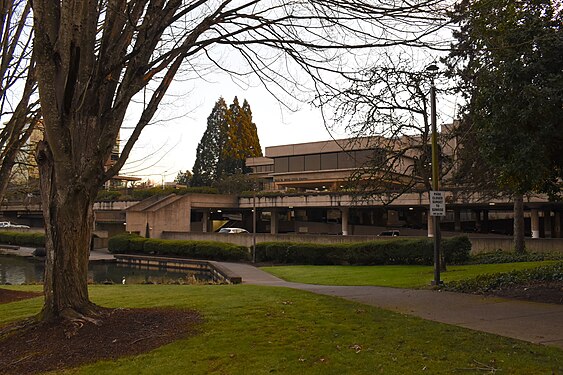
[{"x": 437, "y": 203}]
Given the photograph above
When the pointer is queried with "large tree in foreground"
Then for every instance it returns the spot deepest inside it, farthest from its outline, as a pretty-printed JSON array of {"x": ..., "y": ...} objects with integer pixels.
[
  {"x": 94, "y": 57},
  {"x": 509, "y": 59}
]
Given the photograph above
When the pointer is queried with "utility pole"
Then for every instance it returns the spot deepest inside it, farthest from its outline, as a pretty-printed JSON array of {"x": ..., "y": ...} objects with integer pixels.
[{"x": 435, "y": 176}]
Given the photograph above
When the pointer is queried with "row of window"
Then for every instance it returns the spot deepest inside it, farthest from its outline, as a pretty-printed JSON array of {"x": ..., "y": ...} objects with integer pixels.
[{"x": 326, "y": 161}]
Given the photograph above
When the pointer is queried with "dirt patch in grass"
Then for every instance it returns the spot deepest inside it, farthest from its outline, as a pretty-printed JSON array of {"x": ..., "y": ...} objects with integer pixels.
[
  {"x": 41, "y": 347},
  {"x": 544, "y": 291},
  {"x": 7, "y": 295}
]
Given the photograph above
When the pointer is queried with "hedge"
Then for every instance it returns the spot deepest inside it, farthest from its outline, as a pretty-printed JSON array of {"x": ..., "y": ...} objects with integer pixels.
[
  {"x": 396, "y": 251},
  {"x": 210, "y": 250},
  {"x": 22, "y": 238}
]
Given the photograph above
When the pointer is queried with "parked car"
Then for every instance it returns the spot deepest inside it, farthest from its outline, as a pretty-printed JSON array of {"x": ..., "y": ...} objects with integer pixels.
[
  {"x": 389, "y": 233},
  {"x": 7, "y": 224},
  {"x": 233, "y": 230}
]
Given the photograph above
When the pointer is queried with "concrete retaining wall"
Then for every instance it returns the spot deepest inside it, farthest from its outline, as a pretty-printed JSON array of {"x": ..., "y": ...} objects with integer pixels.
[{"x": 538, "y": 245}]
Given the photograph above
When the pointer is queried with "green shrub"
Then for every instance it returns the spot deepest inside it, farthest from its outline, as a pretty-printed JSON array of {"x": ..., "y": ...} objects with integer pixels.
[
  {"x": 22, "y": 238},
  {"x": 500, "y": 256},
  {"x": 108, "y": 195},
  {"x": 210, "y": 250},
  {"x": 396, "y": 251},
  {"x": 159, "y": 191},
  {"x": 488, "y": 282},
  {"x": 456, "y": 250},
  {"x": 121, "y": 243}
]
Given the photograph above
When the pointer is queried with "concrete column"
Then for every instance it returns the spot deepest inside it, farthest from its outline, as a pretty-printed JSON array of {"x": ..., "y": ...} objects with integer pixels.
[
  {"x": 485, "y": 224},
  {"x": 274, "y": 221},
  {"x": 535, "y": 223},
  {"x": 430, "y": 224},
  {"x": 547, "y": 223},
  {"x": 457, "y": 220},
  {"x": 557, "y": 225},
  {"x": 478, "y": 223},
  {"x": 345, "y": 215},
  {"x": 205, "y": 221}
]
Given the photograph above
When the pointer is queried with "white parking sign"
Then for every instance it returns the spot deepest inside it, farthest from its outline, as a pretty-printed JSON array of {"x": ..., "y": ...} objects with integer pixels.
[{"x": 437, "y": 203}]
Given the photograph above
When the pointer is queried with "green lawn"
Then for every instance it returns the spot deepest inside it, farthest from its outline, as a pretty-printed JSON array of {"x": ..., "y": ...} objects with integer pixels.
[
  {"x": 264, "y": 330},
  {"x": 393, "y": 276}
]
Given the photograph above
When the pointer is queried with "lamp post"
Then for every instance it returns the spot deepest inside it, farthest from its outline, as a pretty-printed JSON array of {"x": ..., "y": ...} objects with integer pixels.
[
  {"x": 253, "y": 224},
  {"x": 163, "y": 175},
  {"x": 435, "y": 175}
]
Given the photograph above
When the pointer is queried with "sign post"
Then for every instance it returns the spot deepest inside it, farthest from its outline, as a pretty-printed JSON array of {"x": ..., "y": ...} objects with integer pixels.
[{"x": 437, "y": 203}]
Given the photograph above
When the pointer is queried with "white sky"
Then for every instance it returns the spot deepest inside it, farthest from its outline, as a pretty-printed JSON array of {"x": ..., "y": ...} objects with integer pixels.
[{"x": 172, "y": 140}]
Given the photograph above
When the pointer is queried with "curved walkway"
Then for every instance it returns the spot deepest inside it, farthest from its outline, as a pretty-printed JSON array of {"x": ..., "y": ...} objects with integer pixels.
[{"x": 539, "y": 323}]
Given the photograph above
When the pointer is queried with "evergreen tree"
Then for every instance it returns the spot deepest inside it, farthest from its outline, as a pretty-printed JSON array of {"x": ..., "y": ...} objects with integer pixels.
[
  {"x": 205, "y": 170},
  {"x": 242, "y": 139},
  {"x": 508, "y": 56},
  {"x": 229, "y": 139}
]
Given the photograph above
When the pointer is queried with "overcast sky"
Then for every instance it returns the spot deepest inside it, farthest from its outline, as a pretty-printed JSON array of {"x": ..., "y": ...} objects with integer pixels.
[{"x": 169, "y": 144}]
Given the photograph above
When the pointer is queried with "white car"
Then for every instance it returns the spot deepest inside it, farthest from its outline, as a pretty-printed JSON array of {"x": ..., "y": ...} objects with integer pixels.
[
  {"x": 389, "y": 233},
  {"x": 233, "y": 230}
]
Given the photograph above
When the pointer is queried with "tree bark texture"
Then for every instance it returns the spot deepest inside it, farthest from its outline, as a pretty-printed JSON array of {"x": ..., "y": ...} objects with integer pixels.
[
  {"x": 519, "y": 242},
  {"x": 68, "y": 213}
]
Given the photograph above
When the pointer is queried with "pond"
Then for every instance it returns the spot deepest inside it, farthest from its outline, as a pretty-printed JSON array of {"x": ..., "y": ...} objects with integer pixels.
[{"x": 24, "y": 270}]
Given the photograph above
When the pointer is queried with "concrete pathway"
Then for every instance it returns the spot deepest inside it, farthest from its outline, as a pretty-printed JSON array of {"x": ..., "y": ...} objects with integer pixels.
[{"x": 539, "y": 323}]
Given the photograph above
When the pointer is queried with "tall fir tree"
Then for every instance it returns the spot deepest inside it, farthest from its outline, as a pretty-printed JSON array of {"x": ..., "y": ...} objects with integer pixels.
[
  {"x": 229, "y": 139},
  {"x": 205, "y": 170},
  {"x": 242, "y": 139}
]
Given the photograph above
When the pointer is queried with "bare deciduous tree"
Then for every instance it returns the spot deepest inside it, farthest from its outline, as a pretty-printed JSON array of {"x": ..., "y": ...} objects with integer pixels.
[
  {"x": 17, "y": 85},
  {"x": 94, "y": 57},
  {"x": 389, "y": 109}
]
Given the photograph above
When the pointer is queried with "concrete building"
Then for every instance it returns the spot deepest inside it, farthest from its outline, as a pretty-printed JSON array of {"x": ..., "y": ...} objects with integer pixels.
[{"x": 302, "y": 189}]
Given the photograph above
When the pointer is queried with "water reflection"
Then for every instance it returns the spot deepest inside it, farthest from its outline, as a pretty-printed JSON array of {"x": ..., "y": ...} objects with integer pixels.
[{"x": 18, "y": 270}]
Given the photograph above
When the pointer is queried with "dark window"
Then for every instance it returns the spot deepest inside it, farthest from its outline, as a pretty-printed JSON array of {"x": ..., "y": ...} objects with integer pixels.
[
  {"x": 345, "y": 160},
  {"x": 329, "y": 161},
  {"x": 363, "y": 157},
  {"x": 312, "y": 162},
  {"x": 281, "y": 165},
  {"x": 296, "y": 163}
]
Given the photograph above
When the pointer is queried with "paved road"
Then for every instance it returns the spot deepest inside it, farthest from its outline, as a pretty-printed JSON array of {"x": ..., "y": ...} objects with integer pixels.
[{"x": 540, "y": 323}]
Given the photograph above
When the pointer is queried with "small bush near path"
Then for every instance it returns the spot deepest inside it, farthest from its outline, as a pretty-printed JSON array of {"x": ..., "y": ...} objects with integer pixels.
[
  {"x": 486, "y": 283},
  {"x": 396, "y": 251},
  {"x": 209, "y": 250},
  {"x": 500, "y": 256}
]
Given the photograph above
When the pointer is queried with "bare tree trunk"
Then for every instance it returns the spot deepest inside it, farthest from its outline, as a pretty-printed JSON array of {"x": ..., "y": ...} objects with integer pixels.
[
  {"x": 68, "y": 213},
  {"x": 519, "y": 243}
]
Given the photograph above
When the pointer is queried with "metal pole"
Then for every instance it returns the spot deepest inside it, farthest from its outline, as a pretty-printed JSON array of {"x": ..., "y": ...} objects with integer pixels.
[
  {"x": 254, "y": 226},
  {"x": 435, "y": 184}
]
